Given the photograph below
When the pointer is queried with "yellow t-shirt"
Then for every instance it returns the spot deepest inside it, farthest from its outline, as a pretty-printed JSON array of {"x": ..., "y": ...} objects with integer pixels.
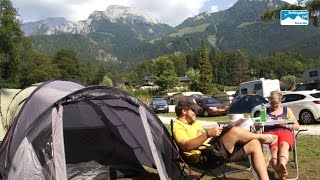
[{"x": 183, "y": 131}]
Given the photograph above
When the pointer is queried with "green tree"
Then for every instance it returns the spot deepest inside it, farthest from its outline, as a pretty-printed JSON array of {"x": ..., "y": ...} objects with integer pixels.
[
  {"x": 214, "y": 62},
  {"x": 290, "y": 82},
  {"x": 143, "y": 69},
  {"x": 37, "y": 67},
  {"x": 107, "y": 81},
  {"x": 94, "y": 73},
  {"x": 68, "y": 64},
  {"x": 131, "y": 77},
  {"x": 194, "y": 78},
  {"x": 166, "y": 77},
  {"x": 241, "y": 69},
  {"x": 224, "y": 65},
  {"x": 285, "y": 63},
  {"x": 10, "y": 38},
  {"x": 205, "y": 79},
  {"x": 179, "y": 63},
  {"x": 193, "y": 60}
]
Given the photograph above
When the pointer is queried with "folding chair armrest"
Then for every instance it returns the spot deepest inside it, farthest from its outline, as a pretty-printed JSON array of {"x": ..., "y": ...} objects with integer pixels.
[{"x": 300, "y": 130}]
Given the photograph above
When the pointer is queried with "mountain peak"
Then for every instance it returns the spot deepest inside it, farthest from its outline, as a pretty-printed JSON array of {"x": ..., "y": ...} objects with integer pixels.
[{"x": 115, "y": 13}]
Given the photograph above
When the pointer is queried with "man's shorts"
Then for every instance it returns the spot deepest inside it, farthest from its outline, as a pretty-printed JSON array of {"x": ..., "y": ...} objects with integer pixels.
[
  {"x": 284, "y": 135},
  {"x": 218, "y": 153}
]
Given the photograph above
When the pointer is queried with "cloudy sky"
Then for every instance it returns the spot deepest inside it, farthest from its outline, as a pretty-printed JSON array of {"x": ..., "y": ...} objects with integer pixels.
[{"x": 171, "y": 12}]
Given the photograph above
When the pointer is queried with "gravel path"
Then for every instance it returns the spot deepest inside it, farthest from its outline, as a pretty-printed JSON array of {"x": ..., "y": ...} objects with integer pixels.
[{"x": 311, "y": 129}]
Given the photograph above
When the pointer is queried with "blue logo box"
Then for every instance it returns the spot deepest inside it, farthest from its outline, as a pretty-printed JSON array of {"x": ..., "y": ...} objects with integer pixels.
[{"x": 294, "y": 17}]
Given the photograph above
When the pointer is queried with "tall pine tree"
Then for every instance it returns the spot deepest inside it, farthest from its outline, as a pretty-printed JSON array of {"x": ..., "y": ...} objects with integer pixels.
[
  {"x": 10, "y": 39},
  {"x": 205, "y": 80},
  {"x": 68, "y": 64},
  {"x": 242, "y": 68}
]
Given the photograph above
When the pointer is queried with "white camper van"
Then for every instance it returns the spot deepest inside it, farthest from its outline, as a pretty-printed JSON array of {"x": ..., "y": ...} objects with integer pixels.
[
  {"x": 311, "y": 75},
  {"x": 262, "y": 87},
  {"x": 311, "y": 80},
  {"x": 225, "y": 96}
]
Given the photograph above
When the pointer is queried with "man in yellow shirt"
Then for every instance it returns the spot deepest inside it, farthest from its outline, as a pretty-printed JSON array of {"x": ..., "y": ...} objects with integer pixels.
[{"x": 219, "y": 144}]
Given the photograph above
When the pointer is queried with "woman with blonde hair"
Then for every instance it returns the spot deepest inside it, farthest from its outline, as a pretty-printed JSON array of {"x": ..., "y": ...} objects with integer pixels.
[{"x": 280, "y": 149}]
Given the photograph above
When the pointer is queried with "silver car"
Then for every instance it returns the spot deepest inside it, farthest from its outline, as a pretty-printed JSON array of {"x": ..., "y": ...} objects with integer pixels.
[{"x": 305, "y": 105}]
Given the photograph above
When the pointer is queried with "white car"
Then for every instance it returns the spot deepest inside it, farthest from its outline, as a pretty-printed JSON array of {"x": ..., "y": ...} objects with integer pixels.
[{"x": 305, "y": 105}]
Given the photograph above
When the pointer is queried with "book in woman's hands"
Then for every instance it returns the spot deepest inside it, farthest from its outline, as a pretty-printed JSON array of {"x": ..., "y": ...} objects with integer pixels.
[{"x": 241, "y": 123}]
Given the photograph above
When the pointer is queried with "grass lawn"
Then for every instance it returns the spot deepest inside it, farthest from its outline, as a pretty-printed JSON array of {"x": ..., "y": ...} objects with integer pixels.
[{"x": 308, "y": 156}]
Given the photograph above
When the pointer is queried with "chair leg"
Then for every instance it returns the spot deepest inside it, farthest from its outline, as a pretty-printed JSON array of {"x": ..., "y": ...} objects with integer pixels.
[
  {"x": 207, "y": 172},
  {"x": 182, "y": 171},
  {"x": 295, "y": 157}
]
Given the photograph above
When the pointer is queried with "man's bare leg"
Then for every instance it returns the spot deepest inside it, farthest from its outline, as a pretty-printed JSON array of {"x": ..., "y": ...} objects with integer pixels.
[
  {"x": 252, "y": 147},
  {"x": 239, "y": 135}
]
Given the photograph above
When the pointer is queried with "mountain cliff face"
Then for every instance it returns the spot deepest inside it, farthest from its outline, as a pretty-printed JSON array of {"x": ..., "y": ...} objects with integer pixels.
[
  {"x": 140, "y": 23},
  {"x": 242, "y": 10},
  {"x": 129, "y": 34},
  {"x": 44, "y": 26},
  {"x": 118, "y": 31},
  {"x": 240, "y": 27}
]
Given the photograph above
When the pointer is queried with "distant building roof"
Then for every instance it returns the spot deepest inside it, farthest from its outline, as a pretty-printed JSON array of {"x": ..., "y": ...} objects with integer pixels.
[
  {"x": 183, "y": 79},
  {"x": 148, "y": 78}
]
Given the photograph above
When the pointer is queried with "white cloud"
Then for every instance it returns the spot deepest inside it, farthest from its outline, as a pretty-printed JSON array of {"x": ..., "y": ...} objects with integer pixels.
[
  {"x": 291, "y": 1},
  {"x": 214, "y": 8},
  {"x": 171, "y": 12}
]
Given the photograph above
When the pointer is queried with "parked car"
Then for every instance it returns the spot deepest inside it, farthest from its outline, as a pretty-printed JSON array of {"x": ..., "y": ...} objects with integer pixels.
[
  {"x": 246, "y": 103},
  {"x": 305, "y": 105},
  {"x": 158, "y": 98},
  {"x": 211, "y": 107},
  {"x": 159, "y": 106},
  {"x": 308, "y": 86}
]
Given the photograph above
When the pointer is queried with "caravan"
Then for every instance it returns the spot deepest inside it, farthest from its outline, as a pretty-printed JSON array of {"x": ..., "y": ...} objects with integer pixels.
[
  {"x": 311, "y": 75},
  {"x": 311, "y": 80},
  {"x": 261, "y": 87},
  {"x": 225, "y": 96}
]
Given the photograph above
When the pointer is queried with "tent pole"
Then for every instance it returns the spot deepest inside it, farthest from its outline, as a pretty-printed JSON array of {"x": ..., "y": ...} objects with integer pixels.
[
  {"x": 60, "y": 169},
  {"x": 156, "y": 156}
]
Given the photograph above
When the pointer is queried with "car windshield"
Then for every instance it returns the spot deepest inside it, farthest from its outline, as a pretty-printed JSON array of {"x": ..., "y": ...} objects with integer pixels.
[
  {"x": 160, "y": 102},
  {"x": 210, "y": 101},
  {"x": 158, "y": 98},
  {"x": 300, "y": 87},
  {"x": 315, "y": 95}
]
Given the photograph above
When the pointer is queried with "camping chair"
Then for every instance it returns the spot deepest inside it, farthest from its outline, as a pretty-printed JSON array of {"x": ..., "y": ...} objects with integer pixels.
[
  {"x": 205, "y": 169},
  {"x": 293, "y": 158}
]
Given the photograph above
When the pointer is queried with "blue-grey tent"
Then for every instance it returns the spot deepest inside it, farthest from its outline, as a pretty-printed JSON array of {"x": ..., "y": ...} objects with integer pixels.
[
  {"x": 66, "y": 130},
  {"x": 246, "y": 103}
]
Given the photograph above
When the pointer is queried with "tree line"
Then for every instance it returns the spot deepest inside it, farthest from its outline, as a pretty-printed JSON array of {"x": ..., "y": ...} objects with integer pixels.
[{"x": 212, "y": 71}]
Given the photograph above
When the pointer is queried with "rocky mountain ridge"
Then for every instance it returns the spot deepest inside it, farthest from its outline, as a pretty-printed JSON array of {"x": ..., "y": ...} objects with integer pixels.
[
  {"x": 129, "y": 37},
  {"x": 128, "y": 16}
]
